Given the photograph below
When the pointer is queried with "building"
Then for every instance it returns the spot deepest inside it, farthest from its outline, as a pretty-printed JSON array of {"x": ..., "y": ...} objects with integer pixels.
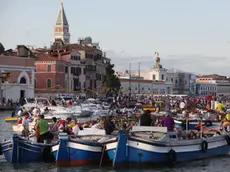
[
  {"x": 20, "y": 67},
  {"x": 144, "y": 86},
  {"x": 69, "y": 68},
  {"x": 66, "y": 68},
  {"x": 214, "y": 84},
  {"x": 177, "y": 82},
  {"x": 61, "y": 29}
]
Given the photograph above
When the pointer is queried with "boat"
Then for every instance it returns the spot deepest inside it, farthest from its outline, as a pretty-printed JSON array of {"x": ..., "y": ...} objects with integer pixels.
[
  {"x": 155, "y": 145},
  {"x": 78, "y": 150},
  {"x": 152, "y": 109},
  {"x": 80, "y": 111},
  {"x": 22, "y": 150},
  {"x": 43, "y": 103}
]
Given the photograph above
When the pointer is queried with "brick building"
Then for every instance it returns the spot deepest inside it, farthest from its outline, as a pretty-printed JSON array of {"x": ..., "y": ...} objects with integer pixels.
[{"x": 66, "y": 67}]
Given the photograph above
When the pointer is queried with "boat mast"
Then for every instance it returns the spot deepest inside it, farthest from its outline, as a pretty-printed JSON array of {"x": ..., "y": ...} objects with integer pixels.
[
  {"x": 129, "y": 83},
  {"x": 139, "y": 75}
]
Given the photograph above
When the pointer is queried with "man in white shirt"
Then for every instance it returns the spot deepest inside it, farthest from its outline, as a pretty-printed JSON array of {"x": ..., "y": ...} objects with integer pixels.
[
  {"x": 25, "y": 124},
  {"x": 20, "y": 113},
  {"x": 182, "y": 105}
]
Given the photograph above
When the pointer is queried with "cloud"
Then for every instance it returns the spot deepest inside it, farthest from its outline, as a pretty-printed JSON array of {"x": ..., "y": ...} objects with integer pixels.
[{"x": 195, "y": 63}]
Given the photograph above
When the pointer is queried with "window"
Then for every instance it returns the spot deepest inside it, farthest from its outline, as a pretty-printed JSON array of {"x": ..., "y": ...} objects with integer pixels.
[
  {"x": 23, "y": 80},
  {"x": 154, "y": 77},
  {"x": 95, "y": 83},
  {"x": 35, "y": 83},
  {"x": 66, "y": 69},
  {"x": 74, "y": 57},
  {"x": 57, "y": 68},
  {"x": 49, "y": 83},
  {"x": 48, "y": 68},
  {"x": 162, "y": 77}
]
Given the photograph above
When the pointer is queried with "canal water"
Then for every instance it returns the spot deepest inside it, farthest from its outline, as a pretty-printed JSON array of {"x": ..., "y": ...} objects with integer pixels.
[{"x": 219, "y": 164}]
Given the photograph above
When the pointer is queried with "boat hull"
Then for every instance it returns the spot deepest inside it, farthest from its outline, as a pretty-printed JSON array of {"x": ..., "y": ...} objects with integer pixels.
[
  {"x": 7, "y": 150},
  {"x": 145, "y": 153},
  {"x": 76, "y": 152},
  {"x": 139, "y": 151},
  {"x": 20, "y": 150}
]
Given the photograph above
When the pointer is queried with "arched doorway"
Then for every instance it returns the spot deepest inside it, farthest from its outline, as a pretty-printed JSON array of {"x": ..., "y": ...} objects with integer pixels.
[{"x": 49, "y": 83}]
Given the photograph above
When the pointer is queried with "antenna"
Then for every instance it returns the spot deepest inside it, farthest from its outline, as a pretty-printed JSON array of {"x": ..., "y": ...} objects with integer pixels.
[{"x": 139, "y": 75}]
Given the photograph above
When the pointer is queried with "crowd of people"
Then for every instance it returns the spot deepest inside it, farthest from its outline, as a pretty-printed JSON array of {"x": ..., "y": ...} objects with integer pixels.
[{"x": 187, "y": 106}]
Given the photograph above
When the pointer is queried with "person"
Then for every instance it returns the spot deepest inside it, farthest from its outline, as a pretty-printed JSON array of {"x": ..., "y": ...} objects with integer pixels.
[
  {"x": 54, "y": 126},
  {"x": 109, "y": 125},
  {"x": 13, "y": 114},
  {"x": 25, "y": 124},
  {"x": 145, "y": 119},
  {"x": 43, "y": 128},
  {"x": 198, "y": 126},
  {"x": 63, "y": 126},
  {"x": 20, "y": 112},
  {"x": 168, "y": 122}
]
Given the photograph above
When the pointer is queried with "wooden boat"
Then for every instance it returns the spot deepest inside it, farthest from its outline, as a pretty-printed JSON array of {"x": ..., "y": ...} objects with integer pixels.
[
  {"x": 156, "y": 145},
  {"x": 79, "y": 150},
  {"x": 22, "y": 150}
]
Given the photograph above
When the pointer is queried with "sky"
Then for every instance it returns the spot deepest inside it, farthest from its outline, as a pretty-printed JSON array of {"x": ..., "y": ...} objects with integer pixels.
[{"x": 192, "y": 35}]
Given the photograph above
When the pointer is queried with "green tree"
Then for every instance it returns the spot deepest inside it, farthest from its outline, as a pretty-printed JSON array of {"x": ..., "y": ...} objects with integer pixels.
[
  {"x": 111, "y": 80},
  {"x": 2, "y": 49}
]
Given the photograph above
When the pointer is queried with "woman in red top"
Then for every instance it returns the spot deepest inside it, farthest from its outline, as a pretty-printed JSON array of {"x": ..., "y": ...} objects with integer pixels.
[
  {"x": 198, "y": 126},
  {"x": 19, "y": 121}
]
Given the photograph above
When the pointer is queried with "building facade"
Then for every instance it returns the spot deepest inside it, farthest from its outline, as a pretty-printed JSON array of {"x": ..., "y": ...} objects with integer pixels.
[
  {"x": 144, "y": 87},
  {"x": 69, "y": 68},
  {"x": 180, "y": 82},
  {"x": 214, "y": 84},
  {"x": 20, "y": 67}
]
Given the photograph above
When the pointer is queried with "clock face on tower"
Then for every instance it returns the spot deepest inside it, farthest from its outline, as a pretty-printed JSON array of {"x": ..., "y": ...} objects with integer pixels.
[{"x": 58, "y": 29}]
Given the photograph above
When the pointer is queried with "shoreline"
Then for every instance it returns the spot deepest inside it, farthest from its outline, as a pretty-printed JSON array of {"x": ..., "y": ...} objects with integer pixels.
[{"x": 6, "y": 108}]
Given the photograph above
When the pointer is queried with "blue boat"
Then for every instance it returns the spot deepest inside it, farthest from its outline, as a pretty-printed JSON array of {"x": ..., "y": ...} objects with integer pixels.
[
  {"x": 22, "y": 150},
  {"x": 78, "y": 150},
  {"x": 151, "y": 147}
]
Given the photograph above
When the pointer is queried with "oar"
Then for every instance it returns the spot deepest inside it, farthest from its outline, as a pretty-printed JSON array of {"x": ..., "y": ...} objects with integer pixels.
[{"x": 102, "y": 155}]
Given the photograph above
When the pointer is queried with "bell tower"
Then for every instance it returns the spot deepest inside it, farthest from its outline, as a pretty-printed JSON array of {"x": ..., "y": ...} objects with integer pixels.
[{"x": 61, "y": 29}]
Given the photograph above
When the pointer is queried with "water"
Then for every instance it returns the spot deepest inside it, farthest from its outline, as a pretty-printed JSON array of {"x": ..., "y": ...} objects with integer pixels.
[{"x": 208, "y": 165}]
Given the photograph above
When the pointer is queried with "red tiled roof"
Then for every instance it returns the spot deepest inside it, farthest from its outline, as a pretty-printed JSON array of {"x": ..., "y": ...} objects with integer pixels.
[
  {"x": 210, "y": 76},
  {"x": 45, "y": 57}
]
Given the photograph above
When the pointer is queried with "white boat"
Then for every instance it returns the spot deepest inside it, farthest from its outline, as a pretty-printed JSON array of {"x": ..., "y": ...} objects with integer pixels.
[{"x": 42, "y": 103}]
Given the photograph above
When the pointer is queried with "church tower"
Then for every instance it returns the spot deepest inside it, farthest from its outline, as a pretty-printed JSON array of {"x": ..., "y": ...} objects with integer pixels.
[
  {"x": 61, "y": 30},
  {"x": 159, "y": 73}
]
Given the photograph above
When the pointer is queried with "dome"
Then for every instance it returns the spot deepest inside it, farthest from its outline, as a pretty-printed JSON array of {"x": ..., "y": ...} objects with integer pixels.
[
  {"x": 157, "y": 59},
  {"x": 88, "y": 39}
]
